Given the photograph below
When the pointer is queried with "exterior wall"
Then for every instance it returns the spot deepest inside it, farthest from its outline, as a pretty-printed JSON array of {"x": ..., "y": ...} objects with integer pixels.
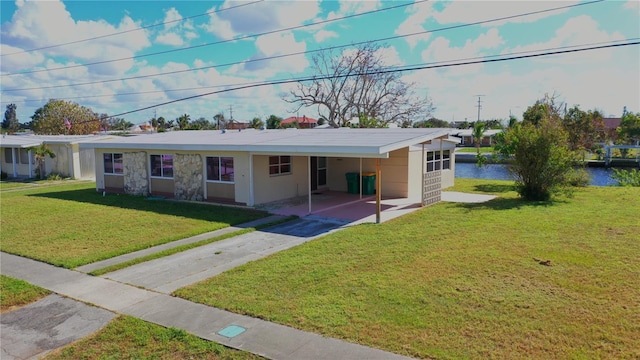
[
  {"x": 221, "y": 191},
  {"x": 339, "y": 167},
  {"x": 447, "y": 175},
  {"x": 395, "y": 174},
  {"x": 415, "y": 169},
  {"x": 62, "y": 163},
  {"x": 163, "y": 187},
  {"x": 269, "y": 188},
  {"x": 134, "y": 170},
  {"x": 188, "y": 177},
  {"x": 87, "y": 164},
  {"x": 114, "y": 183}
]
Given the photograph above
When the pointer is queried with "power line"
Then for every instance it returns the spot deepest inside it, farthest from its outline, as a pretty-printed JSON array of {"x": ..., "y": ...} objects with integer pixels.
[
  {"x": 261, "y": 82},
  {"x": 220, "y": 41},
  {"x": 305, "y": 52},
  {"x": 399, "y": 69},
  {"x": 132, "y": 30}
]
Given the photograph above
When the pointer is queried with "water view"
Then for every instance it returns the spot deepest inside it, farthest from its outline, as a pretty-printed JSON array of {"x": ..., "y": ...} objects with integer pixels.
[{"x": 599, "y": 176}]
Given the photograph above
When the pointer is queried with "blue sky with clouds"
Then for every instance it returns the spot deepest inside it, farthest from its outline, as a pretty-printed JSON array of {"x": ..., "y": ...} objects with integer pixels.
[{"x": 242, "y": 33}]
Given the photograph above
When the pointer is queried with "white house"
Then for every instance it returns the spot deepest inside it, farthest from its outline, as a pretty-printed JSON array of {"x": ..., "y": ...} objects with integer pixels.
[
  {"x": 252, "y": 167},
  {"x": 17, "y": 160}
]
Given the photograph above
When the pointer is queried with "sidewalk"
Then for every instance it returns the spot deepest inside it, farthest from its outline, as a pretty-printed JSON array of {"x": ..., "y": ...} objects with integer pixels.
[{"x": 260, "y": 337}]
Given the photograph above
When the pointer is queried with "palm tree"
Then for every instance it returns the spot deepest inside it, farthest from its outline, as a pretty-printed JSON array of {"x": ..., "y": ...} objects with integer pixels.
[
  {"x": 256, "y": 123},
  {"x": 478, "y": 134},
  {"x": 40, "y": 153},
  {"x": 183, "y": 121}
]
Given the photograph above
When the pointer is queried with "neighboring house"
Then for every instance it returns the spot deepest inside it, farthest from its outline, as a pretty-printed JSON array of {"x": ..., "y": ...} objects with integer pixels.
[
  {"x": 236, "y": 125},
  {"x": 253, "y": 167},
  {"x": 466, "y": 136},
  {"x": 611, "y": 126},
  {"x": 69, "y": 161},
  {"x": 303, "y": 122}
]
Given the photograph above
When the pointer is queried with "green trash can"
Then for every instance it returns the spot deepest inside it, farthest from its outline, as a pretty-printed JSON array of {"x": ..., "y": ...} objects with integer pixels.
[
  {"x": 368, "y": 183},
  {"x": 353, "y": 186}
]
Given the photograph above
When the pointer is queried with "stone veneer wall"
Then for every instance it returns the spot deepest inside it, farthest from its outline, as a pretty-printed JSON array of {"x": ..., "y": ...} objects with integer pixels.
[
  {"x": 135, "y": 171},
  {"x": 187, "y": 175}
]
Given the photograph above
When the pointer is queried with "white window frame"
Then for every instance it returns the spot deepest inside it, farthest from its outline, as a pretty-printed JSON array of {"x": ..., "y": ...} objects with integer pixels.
[
  {"x": 161, "y": 176},
  {"x": 434, "y": 162},
  {"x": 220, "y": 173},
  {"x": 280, "y": 164}
]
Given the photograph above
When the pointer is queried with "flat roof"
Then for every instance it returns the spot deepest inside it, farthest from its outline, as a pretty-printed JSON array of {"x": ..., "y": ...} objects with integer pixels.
[
  {"x": 345, "y": 142},
  {"x": 25, "y": 141}
]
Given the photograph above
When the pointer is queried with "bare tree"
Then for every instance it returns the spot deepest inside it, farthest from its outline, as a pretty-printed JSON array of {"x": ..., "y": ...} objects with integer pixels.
[{"x": 358, "y": 83}]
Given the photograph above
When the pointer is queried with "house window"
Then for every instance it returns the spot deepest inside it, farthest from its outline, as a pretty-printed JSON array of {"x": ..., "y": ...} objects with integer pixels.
[
  {"x": 162, "y": 166},
  {"x": 279, "y": 165},
  {"x": 220, "y": 168},
  {"x": 433, "y": 160},
  {"x": 24, "y": 156},
  {"x": 8, "y": 155},
  {"x": 112, "y": 163}
]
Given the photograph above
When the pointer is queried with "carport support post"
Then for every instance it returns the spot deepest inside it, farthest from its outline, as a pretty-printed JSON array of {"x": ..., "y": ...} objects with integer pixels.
[
  {"x": 309, "y": 180},
  {"x": 378, "y": 190}
]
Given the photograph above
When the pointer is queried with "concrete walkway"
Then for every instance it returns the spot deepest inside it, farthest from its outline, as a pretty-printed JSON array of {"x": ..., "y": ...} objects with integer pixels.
[{"x": 260, "y": 337}]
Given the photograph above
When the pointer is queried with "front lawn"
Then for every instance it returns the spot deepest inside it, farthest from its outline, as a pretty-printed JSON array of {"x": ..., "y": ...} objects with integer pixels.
[
  {"x": 71, "y": 224},
  {"x": 503, "y": 279},
  {"x": 16, "y": 293},
  {"x": 131, "y": 338}
]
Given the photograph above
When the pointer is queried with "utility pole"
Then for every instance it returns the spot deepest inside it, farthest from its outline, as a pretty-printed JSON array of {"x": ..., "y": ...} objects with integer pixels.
[{"x": 479, "y": 106}]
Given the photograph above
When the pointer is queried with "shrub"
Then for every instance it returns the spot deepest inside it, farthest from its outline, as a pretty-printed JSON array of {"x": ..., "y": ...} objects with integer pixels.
[
  {"x": 578, "y": 177},
  {"x": 55, "y": 176},
  {"x": 626, "y": 177},
  {"x": 3, "y": 175}
]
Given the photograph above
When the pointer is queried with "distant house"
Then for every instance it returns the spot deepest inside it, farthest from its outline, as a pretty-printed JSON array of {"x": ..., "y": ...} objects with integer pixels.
[
  {"x": 236, "y": 125},
  {"x": 17, "y": 160},
  {"x": 611, "y": 126},
  {"x": 466, "y": 136},
  {"x": 255, "y": 167},
  {"x": 303, "y": 122}
]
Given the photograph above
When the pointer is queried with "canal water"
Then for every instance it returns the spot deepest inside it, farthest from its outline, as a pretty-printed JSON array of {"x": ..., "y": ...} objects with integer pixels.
[{"x": 599, "y": 176}]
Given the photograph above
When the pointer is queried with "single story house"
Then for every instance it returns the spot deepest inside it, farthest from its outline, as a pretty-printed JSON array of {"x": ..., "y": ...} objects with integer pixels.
[
  {"x": 252, "y": 167},
  {"x": 466, "y": 136},
  {"x": 303, "y": 122},
  {"x": 17, "y": 160}
]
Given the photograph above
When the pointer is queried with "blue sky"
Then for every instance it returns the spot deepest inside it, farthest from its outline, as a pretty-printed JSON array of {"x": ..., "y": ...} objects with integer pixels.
[{"x": 606, "y": 79}]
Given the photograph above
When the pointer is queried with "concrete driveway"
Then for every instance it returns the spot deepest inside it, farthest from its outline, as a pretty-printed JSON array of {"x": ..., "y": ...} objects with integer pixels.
[{"x": 170, "y": 273}]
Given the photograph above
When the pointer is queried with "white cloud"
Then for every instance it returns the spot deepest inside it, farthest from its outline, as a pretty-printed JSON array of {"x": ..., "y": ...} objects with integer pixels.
[
  {"x": 632, "y": 4},
  {"x": 169, "y": 39},
  {"x": 259, "y": 18},
  {"x": 323, "y": 35},
  {"x": 419, "y": 13},
  {"x": 440, "y": 50},
  {"x": 172, "y": 18},
  {"x": 473, "y": 11},
  {"x": 44, "y": 23},
  {"x": 274, "y": 45},
  {"x": 576, "y": 31}
]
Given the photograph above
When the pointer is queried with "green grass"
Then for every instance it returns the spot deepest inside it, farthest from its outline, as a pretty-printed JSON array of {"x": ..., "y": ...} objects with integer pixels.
[
  {"x": 458, "y": 281},
  {"x": 71, "y": 224},
  {"x": 484, "y": 149},
  {"x": 130, "y": 338},
  {"x": 16, "y": 293}
]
